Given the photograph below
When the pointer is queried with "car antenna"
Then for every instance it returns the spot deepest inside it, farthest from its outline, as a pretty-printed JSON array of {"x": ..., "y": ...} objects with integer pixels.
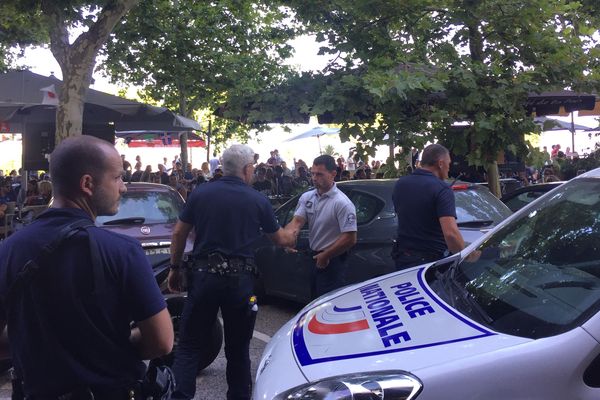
[{"x": 457, "y": 178}]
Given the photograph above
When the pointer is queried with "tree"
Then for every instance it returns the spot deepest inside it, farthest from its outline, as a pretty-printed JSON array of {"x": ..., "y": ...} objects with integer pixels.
[
  {"x": 428, "y": 64},
  {"x": 51, "y": 22},
  {"x": 191, "y": 55}
]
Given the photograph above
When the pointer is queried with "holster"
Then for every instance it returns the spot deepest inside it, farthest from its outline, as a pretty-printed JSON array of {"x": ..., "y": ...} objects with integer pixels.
[{"x": 158, "y": 383}]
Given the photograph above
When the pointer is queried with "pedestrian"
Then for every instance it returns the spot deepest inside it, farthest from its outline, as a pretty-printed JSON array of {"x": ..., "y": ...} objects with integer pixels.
[
  {"x": 228, "y": 216},
  {"x": 70, "y": 290},
  {"x": 426, "y": 211},
  {"x": 214, "y": 163},
  {"x": 137, "y": 174},
  {"x": 126, "y": 168},
  {"x": 261, "y": 184},
  {"x": 331, "y": 218},
  {"x": 163, "y": 176}
]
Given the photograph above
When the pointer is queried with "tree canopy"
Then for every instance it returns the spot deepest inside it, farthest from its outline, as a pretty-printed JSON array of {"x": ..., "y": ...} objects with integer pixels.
[
  {"x": 192, "y": 55},
  {"x": 428, "y": 64},
  {"x": 38, "y": 22}
]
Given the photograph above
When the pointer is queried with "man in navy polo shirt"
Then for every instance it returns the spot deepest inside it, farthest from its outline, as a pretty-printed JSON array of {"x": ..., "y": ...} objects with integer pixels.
[
  {"x": 69, "y": 326},
  {"x": 425, "y": 205},
  {"x": 228, "y": 215}
]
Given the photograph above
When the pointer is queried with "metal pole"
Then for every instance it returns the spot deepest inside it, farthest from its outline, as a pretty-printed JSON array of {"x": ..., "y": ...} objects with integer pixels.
[
  {"x": 208, "y": 135},
  {"x": 572, "y": 133},
  {"x": 319, "y": 140}
]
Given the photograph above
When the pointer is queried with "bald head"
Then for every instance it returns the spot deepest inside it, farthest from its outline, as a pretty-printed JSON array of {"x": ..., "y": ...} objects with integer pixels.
[{"x": 75, "y": 157}]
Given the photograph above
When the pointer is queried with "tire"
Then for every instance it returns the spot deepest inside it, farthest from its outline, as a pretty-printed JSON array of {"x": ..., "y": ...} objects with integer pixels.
[
  {"x": 213, "y": 347},
  {"x": 209, "y": 352}
]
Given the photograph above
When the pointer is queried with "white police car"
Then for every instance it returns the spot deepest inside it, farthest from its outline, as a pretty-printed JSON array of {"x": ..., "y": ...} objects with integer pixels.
[{"x": 517, "y": 317}]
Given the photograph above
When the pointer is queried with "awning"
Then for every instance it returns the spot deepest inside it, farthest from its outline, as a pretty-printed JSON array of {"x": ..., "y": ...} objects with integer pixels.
[{"x": 23, "y": 93}]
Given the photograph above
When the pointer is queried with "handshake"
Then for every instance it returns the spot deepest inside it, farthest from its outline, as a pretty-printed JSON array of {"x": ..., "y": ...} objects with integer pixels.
[{"x": 291, "y": 235}]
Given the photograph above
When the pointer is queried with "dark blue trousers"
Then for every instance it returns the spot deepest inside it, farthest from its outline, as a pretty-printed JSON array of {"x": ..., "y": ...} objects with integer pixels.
[
  {"x": 207, "y": 293},
  {"x": 330, "y": 278},
  {"x": 407, "y": 260}
]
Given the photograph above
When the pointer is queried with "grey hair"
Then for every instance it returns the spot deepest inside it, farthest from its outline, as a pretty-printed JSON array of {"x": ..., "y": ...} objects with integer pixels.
[
  {"x": 433, "y": 153},
  {"x": 235, "y": 158}
]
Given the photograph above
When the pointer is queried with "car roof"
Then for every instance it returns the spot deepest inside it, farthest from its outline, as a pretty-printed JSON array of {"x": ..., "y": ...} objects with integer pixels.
[
  {"x": 146, "y": 186},
  {"x": 390, "y": 182},
  {"x": 595, "y": 173}
]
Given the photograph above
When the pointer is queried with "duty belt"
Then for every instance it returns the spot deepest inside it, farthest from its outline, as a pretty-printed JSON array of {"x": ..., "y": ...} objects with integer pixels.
[
  {"x": 84, "y": 393},
  {"x": 219, "y": 264}
]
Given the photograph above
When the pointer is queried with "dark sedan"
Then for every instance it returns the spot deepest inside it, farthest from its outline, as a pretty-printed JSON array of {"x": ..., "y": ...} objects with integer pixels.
[
  {"x": 287, "y": 275},
  {"x": 522, "y": 196}
]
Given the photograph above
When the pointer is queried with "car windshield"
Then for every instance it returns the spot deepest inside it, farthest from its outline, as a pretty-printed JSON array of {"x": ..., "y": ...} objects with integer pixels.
[
  {"x": 539, "y": 275},
  {"x": 148, "y": 207},
  {"x": 478, "y": 204}
]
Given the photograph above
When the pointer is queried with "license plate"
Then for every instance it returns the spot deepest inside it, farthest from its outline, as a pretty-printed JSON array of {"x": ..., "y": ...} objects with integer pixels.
[{"x": 152, "y": 252}]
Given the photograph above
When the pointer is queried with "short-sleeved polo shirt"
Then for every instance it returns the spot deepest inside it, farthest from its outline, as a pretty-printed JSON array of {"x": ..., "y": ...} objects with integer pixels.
[
  {"x": 420, "y": 200},
  {"x": 328, "y": 216},
  {"x": 228, "y": 215},
  {"x": 68, "y": 329}
]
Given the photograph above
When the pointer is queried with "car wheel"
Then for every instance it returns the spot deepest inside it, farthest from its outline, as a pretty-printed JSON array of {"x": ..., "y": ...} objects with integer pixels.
[{"x": 212, "y": 348}]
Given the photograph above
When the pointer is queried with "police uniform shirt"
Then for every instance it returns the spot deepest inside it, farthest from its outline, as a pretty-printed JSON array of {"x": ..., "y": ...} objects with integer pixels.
[
  {"x": 420, "y": 200},
  {"x": 228, "y": 216},
  {"x": 66, "y": 330},
  {"x": 328, "y": 216}
]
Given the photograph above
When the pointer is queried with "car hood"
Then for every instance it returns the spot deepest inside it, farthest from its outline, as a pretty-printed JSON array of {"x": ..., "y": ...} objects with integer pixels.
[
  {"x": 158, "y": 234},
  {"x": 145, "y": 232},
  {"x": 391, "y": 322}
]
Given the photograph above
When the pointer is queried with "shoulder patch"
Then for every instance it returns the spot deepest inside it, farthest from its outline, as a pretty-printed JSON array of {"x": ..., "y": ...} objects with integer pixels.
[{"x": 350, "y": 220}]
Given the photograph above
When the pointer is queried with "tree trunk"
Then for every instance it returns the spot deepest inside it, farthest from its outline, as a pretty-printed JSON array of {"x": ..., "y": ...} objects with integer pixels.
[
  {"x": 183, "y": 141},
  {"x": 69, "y": 114},
  {"x": 77, "y": 60},
  {"x": 493, "y": 178},
  {"x": 183, "y": 136}
]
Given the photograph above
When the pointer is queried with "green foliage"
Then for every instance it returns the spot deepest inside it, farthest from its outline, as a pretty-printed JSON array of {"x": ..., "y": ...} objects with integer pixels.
[
  {"x": 535, "y": 157},
  {"x": 330, "y": 150},
  {"x": 193, "y": 55},
  {"x": 570, "y": 168},
  {"x": 422, "y": 65},
  {"x": 26, "y": 23},
  {"x": 21, "y": 24}
]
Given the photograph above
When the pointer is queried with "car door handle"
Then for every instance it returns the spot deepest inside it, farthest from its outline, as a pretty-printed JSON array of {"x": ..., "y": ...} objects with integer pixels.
[{"x": 386, "y": 215}]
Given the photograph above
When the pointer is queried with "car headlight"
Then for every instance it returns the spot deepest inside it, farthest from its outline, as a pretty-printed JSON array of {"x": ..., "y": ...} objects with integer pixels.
[{"x": 388, "y": 385}]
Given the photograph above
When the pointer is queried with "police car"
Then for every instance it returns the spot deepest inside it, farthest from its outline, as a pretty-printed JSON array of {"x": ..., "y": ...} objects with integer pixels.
[{"x": 514, "y": 316}]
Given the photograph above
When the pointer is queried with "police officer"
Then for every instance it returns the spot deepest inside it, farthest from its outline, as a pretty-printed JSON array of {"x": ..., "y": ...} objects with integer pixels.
[
  {"x": 69, "y": 321},
  {"x": 331, "y": 220},
  {"x": 425, "y": 205},
  {"x": 227, "y": 216}
]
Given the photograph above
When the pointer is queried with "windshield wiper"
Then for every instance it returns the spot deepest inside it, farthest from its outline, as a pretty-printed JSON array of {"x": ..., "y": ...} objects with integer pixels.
[
  {"x": 466, "y": 296},
  {"x": 126, "y": 221},
  {"x": 456, "y": 291},
  {"x": 475, "y": 223}
]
